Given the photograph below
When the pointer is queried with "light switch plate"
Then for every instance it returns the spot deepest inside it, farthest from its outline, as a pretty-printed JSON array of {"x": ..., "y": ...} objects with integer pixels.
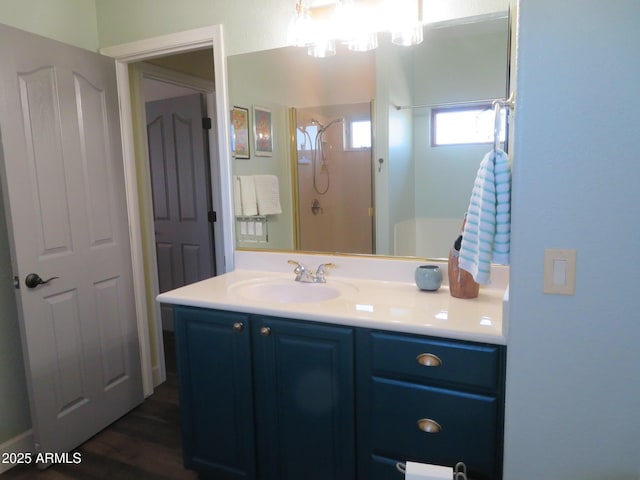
[{"x": 559, "y": 271}]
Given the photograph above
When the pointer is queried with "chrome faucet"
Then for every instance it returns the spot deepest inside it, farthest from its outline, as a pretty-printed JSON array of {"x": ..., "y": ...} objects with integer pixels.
[
  {"x": 302, "y": 274},
  {"x": 305, "y": 276}
]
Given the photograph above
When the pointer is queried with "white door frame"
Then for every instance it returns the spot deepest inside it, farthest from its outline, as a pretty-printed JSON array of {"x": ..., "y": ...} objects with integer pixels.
[
  {"x": 144, "y": 50},
  {"x": 207, "y": 88}
]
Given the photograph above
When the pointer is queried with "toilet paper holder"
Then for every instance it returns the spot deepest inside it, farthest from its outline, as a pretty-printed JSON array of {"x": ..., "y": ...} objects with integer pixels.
[{"x": 459, "y": 471}]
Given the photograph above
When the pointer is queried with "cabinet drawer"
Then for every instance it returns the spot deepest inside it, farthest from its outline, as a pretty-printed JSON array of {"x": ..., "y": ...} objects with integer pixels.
[
  {"x": 463, "y": 426},
  {"x": 419, "y": 358}
]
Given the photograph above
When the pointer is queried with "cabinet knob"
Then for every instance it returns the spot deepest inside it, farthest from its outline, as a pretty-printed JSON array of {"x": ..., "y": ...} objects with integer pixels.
[
  {"x": 265, "y": 331},
  {"x": 238, "y": 326},
  {"x": 429, "y": 426},
  {"x": 429, "y": 360}
]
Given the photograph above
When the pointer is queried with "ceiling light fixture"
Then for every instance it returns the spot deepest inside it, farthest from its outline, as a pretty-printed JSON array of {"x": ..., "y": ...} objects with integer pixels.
[{"x": 319, "y": 24}]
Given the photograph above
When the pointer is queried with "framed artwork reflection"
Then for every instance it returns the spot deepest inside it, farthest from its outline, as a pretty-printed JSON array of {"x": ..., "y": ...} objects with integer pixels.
[
  {"x": 262, "y": 131},
  {"x": 240, "y": 132}
]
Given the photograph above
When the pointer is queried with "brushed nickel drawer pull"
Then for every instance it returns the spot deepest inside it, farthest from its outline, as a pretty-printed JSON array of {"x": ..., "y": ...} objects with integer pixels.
[
  {"x": 429, "y": 360},
  {"x": 428, "y": 425}
]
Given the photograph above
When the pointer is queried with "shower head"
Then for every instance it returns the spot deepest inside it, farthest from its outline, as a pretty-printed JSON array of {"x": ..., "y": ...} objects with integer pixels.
[
  {"x": 317, "y": 123},
  {"x": 335, "y": 120},
  {"x": 322, "y": 128}
]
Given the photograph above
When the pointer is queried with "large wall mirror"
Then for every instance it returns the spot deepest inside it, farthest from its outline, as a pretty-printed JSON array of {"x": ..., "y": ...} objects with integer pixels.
[{"x": 351, "y": 140}]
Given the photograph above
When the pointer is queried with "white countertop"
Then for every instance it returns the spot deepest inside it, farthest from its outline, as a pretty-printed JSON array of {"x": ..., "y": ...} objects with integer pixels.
[{"x": 386, "y": 305}]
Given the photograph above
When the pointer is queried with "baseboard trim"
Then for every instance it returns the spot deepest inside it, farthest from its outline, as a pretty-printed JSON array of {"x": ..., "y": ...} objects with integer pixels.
[
  {"x": 158, "y": 376},
  {"x": 20, "y": 444}
]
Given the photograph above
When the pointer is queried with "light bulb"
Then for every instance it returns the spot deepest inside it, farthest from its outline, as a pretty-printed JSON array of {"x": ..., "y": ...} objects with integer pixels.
[
  {"x": 363, "y": 43},
  {"x": 409, "y": 36},
  {"x": 322, "y": 48},
  {"x": 300, "y": 29}
]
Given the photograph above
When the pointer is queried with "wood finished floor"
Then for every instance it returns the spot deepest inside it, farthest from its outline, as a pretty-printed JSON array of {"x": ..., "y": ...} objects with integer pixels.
[{"x": 142, "y": 445}]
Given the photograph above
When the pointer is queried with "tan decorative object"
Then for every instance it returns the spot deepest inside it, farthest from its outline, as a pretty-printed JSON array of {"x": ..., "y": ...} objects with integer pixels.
[{"x": 461, "y": 283}]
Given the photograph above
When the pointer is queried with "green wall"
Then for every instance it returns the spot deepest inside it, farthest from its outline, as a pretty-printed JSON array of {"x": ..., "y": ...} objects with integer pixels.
[
  {"x": 454, "y": 64},
  {"x": 69, "y": 21},
  {"x": 248, "y": 24}
]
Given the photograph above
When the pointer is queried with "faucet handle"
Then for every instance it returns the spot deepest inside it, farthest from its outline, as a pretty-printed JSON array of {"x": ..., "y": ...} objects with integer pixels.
[
  {"x": 299, "y": 270},
  {"x": 297, "y": 264},
  {"x": 322, "y": 266},
  {"x": 320, "y": 271}
]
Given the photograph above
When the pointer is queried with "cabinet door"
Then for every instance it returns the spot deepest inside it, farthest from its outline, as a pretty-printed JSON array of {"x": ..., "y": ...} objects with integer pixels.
[
  {"x": 305, "y": 416},
  {"x": 216, "y": 397}
]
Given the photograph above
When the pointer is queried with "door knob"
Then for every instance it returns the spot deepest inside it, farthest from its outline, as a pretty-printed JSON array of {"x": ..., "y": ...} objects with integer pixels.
[{"x": 33, "y": 280}]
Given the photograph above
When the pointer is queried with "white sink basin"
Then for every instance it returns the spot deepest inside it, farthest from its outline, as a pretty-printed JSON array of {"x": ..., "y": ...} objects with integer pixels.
[{"x": 289, "y": 291}]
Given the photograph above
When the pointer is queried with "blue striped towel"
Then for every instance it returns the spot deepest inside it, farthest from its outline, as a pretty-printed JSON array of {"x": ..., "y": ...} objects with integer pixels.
[{"x": 487, "y": 232}]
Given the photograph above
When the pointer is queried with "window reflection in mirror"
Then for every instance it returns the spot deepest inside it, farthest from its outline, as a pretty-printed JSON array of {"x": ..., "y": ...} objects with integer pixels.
[
  {"x": 358, "y": 134},
  {"x": 465, "y": 125}
]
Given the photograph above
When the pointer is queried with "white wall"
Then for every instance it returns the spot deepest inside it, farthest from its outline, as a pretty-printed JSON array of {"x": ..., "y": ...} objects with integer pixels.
[{"x": 573, "y": 381}]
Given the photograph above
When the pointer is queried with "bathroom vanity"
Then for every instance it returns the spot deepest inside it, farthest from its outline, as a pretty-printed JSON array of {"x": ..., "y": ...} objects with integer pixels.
[{"x": 342, "y": 384}]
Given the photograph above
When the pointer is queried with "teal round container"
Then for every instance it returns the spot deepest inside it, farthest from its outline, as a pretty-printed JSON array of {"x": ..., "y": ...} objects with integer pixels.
[{"x": 428, "y": 277}]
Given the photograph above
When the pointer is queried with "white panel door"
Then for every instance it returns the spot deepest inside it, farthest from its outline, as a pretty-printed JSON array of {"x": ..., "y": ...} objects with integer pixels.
[
  {"x": 180, "y": 184},
  {"x": 63, "y": 183}
]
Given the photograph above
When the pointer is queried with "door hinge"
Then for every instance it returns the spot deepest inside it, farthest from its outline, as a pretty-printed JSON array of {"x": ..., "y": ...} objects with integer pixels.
[
  {"x": 371, "y": 211},
  {"x": 213, "y": 217},
  {"x": 206, "y": 123},
  {"x": 16, "y": 282}
]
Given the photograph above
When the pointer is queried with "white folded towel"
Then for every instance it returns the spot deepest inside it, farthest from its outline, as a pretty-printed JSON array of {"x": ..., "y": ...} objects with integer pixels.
[
  {"x": 267, "y": 194},
  {"x": 248, "y": 195},
  {"x": 487, "y": 232},
  {"x": 237, "y": 196}
]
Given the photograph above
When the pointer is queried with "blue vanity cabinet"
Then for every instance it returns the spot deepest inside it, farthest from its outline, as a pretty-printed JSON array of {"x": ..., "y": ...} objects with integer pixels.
[
  {"x": 304, "y": 390},
  {"x": 216, "y": 392},
  {"x": 428, "y": 400},
  {"x": 264, "y": 398}
]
